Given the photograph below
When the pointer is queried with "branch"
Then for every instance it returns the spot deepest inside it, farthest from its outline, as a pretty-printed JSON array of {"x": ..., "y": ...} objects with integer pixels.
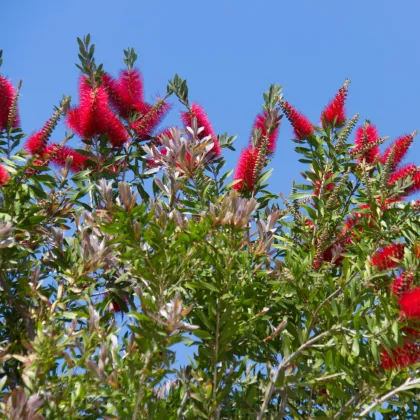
[
  {"x": 284, "y": 363},
  {"x": 20, "y": 309},
  {"x": 407, "y": 384},
  {"x": 183, "y": 402}
]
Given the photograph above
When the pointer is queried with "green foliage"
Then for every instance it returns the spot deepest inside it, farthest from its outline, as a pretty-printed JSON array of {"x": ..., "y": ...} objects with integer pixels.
[{"x": 105, "y": 274}]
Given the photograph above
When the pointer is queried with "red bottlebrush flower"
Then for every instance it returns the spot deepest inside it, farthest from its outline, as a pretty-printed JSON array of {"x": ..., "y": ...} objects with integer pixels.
[
  {"x": 4, "y": 176},
  {"x": 401, "y": 357},
  {"x": 110, "y": 85},
  {"x": 366, "y": 136},
  {"x": 260, "y": 124},
  {"x": 334, "y": 111},
  {"x": 145, "y": 125},
  {"x": 303, "y": 128},
  {"x": 401, "y": 146},
  {"x": 245, "y": 170},
  {"x": 7, "y": 95},
  {"x": 412, "y": 332},
  {"x": 130, "y": 90},
  {"x": 116, "y": 131},
  {"x": 126, "y": 93},
  {"x": 402, "y": 173},
  {"x": 416, "y": 184},
  {"x": 203, "y": 121},
  {"x": 385, "y": 258},
  {"x": 58, "y": 155},
  {"x": 93, "y": 116},
  {"x": 402, "y": 284},
  {"x": 410, "y": 303},
  {"x": 36, "y": 143}
]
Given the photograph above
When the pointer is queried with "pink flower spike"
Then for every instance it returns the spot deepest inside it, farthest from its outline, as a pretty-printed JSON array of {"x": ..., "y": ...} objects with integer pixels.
[
  {"x": 402, "y": 284},
  {"x": 334, "y": 111},
  {"x": 402, "y": 173},
  {"x": 116, "y": 131},
  {"x": 91, "y": 117},
  {"x": 303, "y": 128},
  {"x": 58, "y": 155},
  {"x": 130, "y": 91},
  {"x": 7, "y": 96},
  {"x": 403, "y": 356},
  {"x": 145, "y": 125},
  {"x": 260, "y": 123},
  {"x": 4, "y": 176},
  {"x": 202, "y": 121},
  {"x": 36, "y": 143},
  {"x": 401, "y": 146},
  {"x": 126, "y": 93},
  {"x": 111, "y": 86},
  {"x": 388, "y": 257},
  {"x": 245, "y": 170},
  {"x": 366, "y": 135},
  {"x": 410, "y": 303}
]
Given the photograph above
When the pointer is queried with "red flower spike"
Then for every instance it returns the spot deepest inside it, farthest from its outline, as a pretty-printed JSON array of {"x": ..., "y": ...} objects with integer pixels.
[
  {"x": 245, "y": 170},
  {"x": 116, "y": 131},
  {"x": 403, "y": 356},
  {"x": 410, "y": 303},
  {"x": 203, "y": 121},
  {"x": 402, "y": 173},
  {"x": 365, "y": 136},
  {"x": 58, "y": 155},
  {"x": 334, "y": 111},
  {"x": 130, "y": 91},
  {"x": 303, "y": 128},
  {"x": 4, "y": 176},
  {"x": 93, "y": 116},
  {"x": 260, "y": 124},
  {"x": 416, "y": 184},
  {"x": 38, "y": 141},
  {"x": 90, "y": 118},
  {"x": 402, "y": 284},
  {"x": 385, "y": 258},
  {"x": 152, "y": 117},
  {"x": 401, "y": 146},
  {"x": 7, "y": 95},
  {"x": 111, "y": 87},
  {"x": 126, "y": 93}
]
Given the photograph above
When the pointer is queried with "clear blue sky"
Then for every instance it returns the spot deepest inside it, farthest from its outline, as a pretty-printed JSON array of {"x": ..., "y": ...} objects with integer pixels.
[{"x": 229, "y": 51}]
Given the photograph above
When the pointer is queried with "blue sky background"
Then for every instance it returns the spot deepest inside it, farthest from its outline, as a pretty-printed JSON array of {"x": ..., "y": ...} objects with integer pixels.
[{"x": 230, "y": 52}]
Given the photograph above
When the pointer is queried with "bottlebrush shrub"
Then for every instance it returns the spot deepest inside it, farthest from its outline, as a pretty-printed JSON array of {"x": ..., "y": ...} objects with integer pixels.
[{"x": 122, "y": 244}]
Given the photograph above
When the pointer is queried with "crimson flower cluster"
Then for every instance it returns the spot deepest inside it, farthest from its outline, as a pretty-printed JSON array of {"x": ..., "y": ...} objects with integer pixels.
[
  {"x": 7, "y": 99},
  {"x": 196, "y": 111},
  {"x": 253, "y": 156}
]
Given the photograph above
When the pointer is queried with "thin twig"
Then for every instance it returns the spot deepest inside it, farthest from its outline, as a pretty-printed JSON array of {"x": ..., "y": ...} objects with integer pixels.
[
  {"x": 284, "y": 363},
  {"x": 183, "y": 402},
  {"x": 142, "y": 380},
  {"x": 408, "y": 383}
]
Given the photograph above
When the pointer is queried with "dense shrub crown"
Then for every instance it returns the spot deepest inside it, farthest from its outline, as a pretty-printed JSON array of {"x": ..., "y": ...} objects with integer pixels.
[{"x": 123, "y": 248}]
